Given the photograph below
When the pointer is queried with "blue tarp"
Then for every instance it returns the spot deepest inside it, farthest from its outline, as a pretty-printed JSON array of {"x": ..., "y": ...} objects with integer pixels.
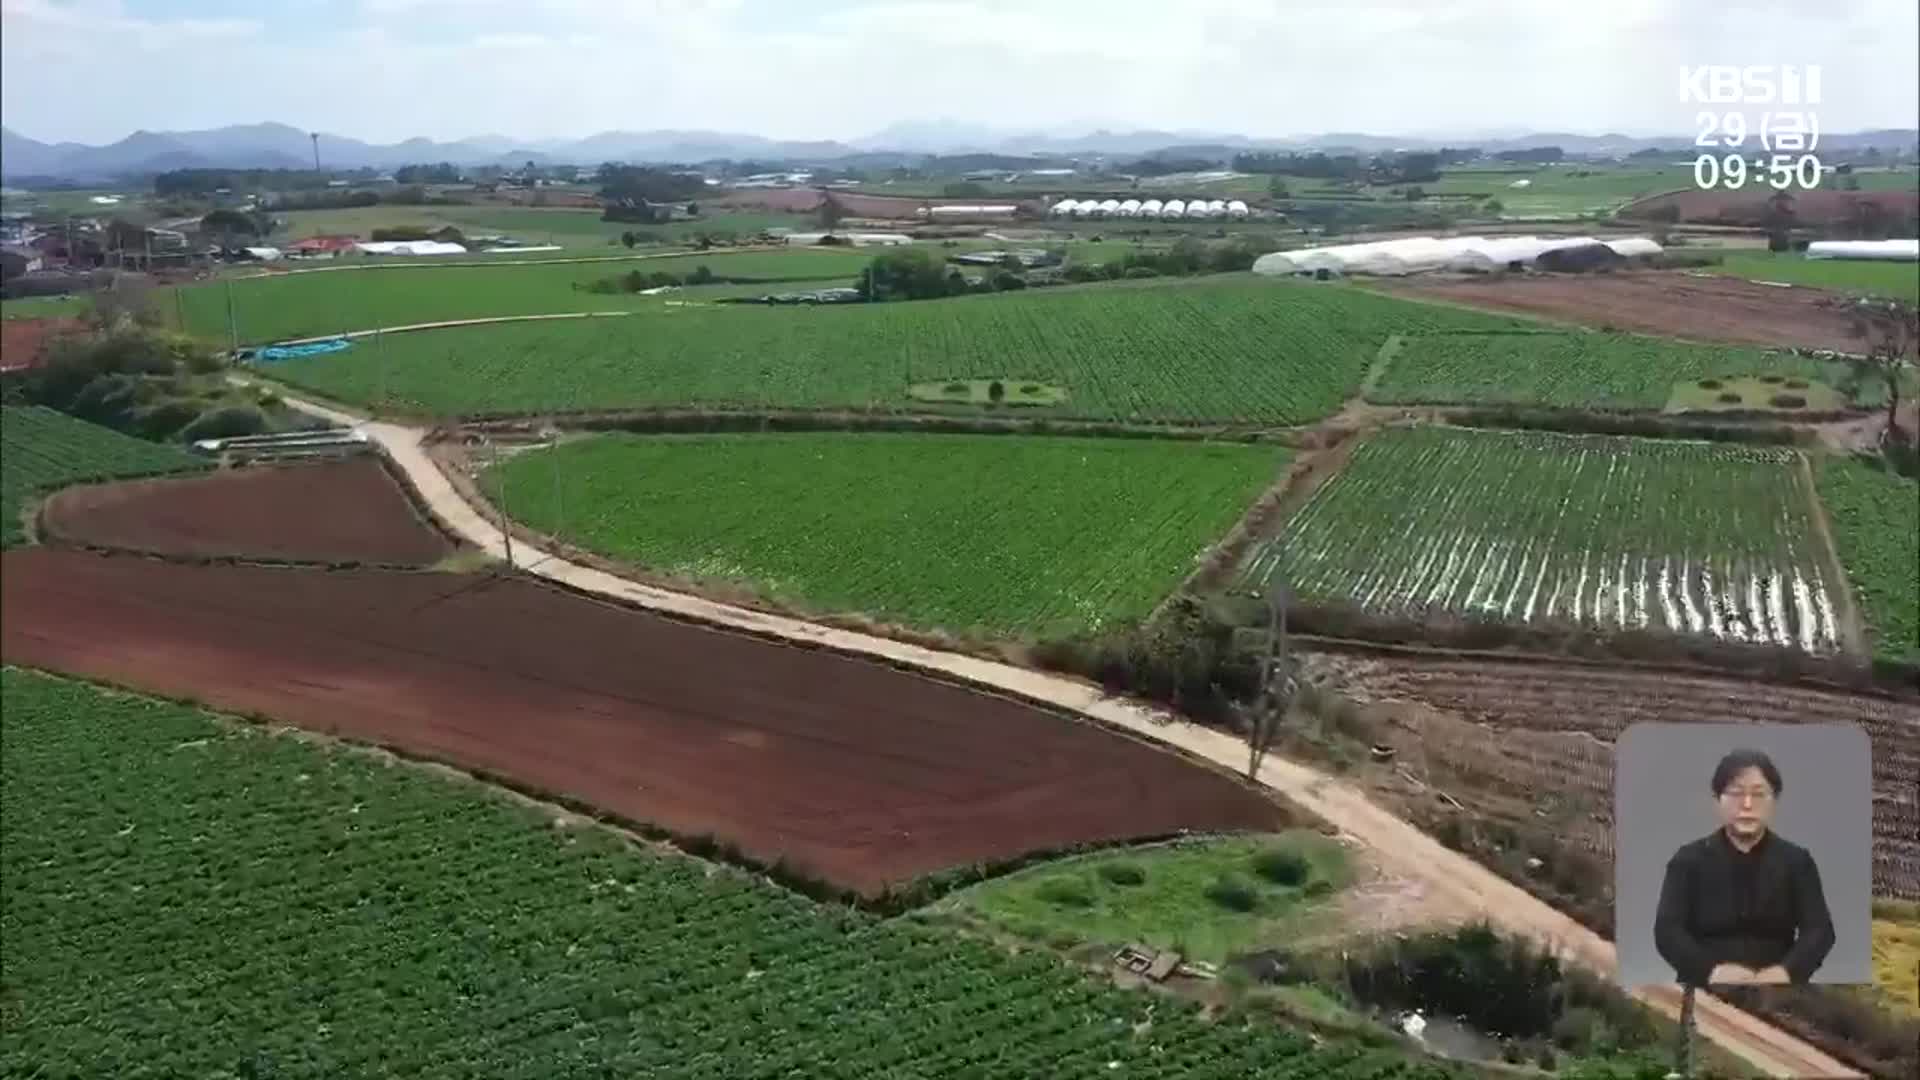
[{"x": 295, "y": 352}]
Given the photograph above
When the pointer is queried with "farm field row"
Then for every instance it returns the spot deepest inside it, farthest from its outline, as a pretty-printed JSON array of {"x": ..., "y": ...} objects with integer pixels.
[
  {"x": 1545, "y": 731},
  {"x": 1230, "y": 349},
  {"x": 1582, "y": 369},
  {"x": 1894, "y": 280},
  {"x": 844, "y": 771},
  {"x": 577, "y": 230},
  {"x": 41, "y": 450},
  {"x": 325, "y": 511},
  {"x": 966, "y": 533},
  {"x": 280, "y": 306},
  {"x": 1875, "y": 515},
  {"x": 1607, "y": 532},
  {"x": 1688, "y": 305},
  {"x": 375, "y": 918}
]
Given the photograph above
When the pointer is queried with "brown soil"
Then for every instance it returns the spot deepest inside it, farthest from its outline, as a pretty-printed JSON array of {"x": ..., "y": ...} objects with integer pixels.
[
  {"x": 1702, "y": 308},
  {"x": 1749, "y": 208},
  {"x": 849, "y": 770},
  {"x": 808, "y": 200},
  {"x": 330, "y": 512},
  {"x": 23, "y": 341},
  {"x": 1540, "y": 735}
]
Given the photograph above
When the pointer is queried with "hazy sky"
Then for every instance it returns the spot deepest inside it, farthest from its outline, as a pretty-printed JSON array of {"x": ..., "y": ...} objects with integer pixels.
[{"x": 384, "y": 70}]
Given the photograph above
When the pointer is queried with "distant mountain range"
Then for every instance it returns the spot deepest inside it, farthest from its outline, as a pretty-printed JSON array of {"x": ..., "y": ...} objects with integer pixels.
[{"x": 280, "y": 146}]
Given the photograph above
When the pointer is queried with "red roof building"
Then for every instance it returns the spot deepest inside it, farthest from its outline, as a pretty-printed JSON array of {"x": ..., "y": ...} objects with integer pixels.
[{"x": 323, "y": 245}]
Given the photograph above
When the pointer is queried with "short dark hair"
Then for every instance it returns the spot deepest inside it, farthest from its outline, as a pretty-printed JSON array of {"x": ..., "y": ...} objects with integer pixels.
[{"x": 1740, "y": 761}]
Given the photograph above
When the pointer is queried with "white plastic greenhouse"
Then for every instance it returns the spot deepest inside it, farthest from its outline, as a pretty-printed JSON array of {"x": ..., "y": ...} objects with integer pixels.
[
  {"x": 1151, "y": 208},
  {"x": 1110, "y": 207},
  {"x": 1130, "y": 208},
  {"x": 1236, "y": 208},
  {"x": 1422, "y": 254},
  {"x": 1633, "y": 247},
  {"x": 1216, "y": 208},
  {"x": 1897, "y": 250},
  {"x": 1063, "y": 207},
  {"x": 1173, "y": 208}
]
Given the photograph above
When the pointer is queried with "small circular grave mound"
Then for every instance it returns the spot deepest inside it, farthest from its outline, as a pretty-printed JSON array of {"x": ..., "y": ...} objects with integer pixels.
[
  {"x": 1770, "y": 378},
  {"x": 1710, "y": 384},
  {"x": 989, "y": 392},
  {"x": 1788, "y": 401},
  {"x": 1728, "y": 399},
  {"x": 1796, "y": 384}
]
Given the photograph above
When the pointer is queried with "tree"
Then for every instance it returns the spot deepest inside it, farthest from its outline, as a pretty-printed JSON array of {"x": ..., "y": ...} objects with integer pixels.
[
  {"x": 225, "y": 225},
  {"x": 831, "y": 212},
  {"x": 906, "y": 274},
  {"x": 1891, "y": 331},
  {"x": 1778, "y": 219},
  {"x": 1277, "y": 188},
  {"x": 628, "y": 238}
]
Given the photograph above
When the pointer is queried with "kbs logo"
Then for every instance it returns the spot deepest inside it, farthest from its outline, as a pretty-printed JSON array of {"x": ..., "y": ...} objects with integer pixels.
[{"x": 1753, "y": 84}]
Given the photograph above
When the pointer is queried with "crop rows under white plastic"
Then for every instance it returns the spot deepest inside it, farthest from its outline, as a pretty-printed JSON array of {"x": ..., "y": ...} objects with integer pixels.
[{"x": 1528, "y": 527}]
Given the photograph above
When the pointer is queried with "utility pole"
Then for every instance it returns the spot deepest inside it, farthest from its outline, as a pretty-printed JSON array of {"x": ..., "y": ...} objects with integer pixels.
[
  {"x": 233, "y": 328},
  {"x": 559, "y": 489},
  {"x": 1277, "y": 682},
  {"x": 506, "y": 530},
  {"x": 1683, "y": 1048},
  {"x": 316, "y": 152}
]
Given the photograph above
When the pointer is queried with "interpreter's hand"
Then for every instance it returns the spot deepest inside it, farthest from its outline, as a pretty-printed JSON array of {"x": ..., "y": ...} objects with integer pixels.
[
  {"x": 1731, "y": 973},
  {"x": 1775, "y": 975}
]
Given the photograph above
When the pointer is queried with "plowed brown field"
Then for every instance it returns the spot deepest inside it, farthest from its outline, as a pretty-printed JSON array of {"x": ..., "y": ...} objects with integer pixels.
[
  {"x": 1750, "y": 208},
  {"x": 850, "y": 770},
  {"x": 1658, "y": 302},
  {"x": 333, "y": 512},
  {"x": 1547, "y": 729}
]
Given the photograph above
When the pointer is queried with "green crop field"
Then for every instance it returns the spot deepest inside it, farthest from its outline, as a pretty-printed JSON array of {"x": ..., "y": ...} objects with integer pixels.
[
  {"x": 581, "y": 231},
  {"x": 1583, "y": 369},
  {"x": 1235, "y": 348},
  {"x": 1000, "y": 533},
  {"x": 309, "y": 304},
  {"x": 1532, "y": 527},
  {"x": 1896, "y": 280},
  {"x": 43, "y": 307},
  {"x": 187, "y": 896},
  {"x": 41, "y": 450},
  {"x": 1209, "y": 898},
  {"x": 1876, "y": 527}
]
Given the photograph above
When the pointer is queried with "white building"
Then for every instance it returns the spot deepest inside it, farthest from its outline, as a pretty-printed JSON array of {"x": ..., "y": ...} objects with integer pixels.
[{"x": 1894, "y": 250}]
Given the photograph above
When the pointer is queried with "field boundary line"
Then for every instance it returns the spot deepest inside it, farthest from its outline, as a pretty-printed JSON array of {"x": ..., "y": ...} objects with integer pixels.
[
  {"x": 521, "y": 262},
  {"x": 1389, "y": 349},
  {"x": 446, "y": 324},
  {"x": 1470, "y": 887},
  {"x": 1853, "y": 623}
]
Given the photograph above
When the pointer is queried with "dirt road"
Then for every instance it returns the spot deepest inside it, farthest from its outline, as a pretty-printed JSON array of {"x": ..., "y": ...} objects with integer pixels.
[{"x": 1471, "y": 889}]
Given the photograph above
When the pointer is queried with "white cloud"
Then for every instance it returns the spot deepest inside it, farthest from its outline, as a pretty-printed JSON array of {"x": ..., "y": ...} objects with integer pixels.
[{"x": 448, "y": 68}]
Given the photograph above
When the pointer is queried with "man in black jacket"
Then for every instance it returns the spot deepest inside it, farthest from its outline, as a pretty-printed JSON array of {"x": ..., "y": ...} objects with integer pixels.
[{"x": 1743, "y": 905}]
